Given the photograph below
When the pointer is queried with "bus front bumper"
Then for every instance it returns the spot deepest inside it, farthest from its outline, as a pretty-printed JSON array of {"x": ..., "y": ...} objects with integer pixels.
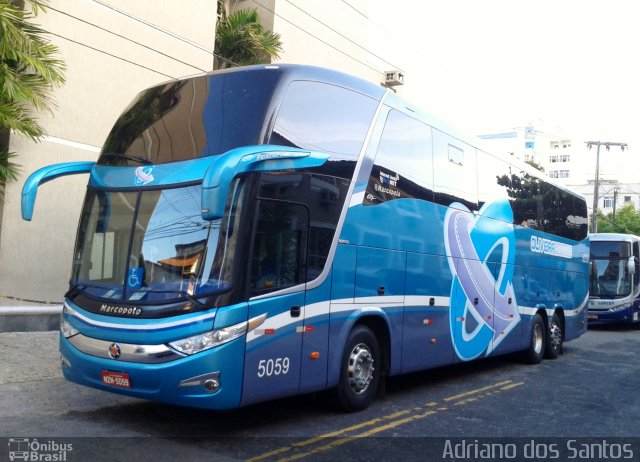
[
  {"x": 629, "y": 315},
  {"x": 210, "y": 379}
]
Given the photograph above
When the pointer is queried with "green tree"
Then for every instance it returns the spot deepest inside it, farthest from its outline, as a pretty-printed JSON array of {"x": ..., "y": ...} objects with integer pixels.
[
  {"x": 241, "y": 40},
  {"x": 535, "y": 165},
  {"x": 626, "y": 221},
  {"x": 29, "y": 70}
]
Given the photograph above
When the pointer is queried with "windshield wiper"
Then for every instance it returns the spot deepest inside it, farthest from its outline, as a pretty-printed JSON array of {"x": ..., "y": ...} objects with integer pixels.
[
  {"x": 74, "y": 290},
  {"x": 181, "y": 294},
  {"x": 115, "y": 155}
]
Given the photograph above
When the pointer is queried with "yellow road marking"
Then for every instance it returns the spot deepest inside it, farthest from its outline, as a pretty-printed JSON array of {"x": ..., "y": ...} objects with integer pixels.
[
  {"x": 477, "y": 390},
  {"x": 513, "y": 385},
  {"x": 491, "y": 390}
]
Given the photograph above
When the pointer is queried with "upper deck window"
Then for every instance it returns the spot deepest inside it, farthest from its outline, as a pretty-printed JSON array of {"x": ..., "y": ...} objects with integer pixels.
[
  {"x": 323, "y": 117},
  {"x": 191, "y": 118}
]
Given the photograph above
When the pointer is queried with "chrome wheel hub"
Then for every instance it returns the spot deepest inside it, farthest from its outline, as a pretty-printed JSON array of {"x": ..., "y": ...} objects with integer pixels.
[
  {"x": 360, "y": 368},
  {"x": 537, "y": 338}
]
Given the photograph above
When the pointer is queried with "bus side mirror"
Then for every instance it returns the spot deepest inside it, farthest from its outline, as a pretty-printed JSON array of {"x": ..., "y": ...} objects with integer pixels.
[
  {"x": 631, "y": 265},
  {"x": 41, "y": 176},
  {"x": 259, "y": 158}
]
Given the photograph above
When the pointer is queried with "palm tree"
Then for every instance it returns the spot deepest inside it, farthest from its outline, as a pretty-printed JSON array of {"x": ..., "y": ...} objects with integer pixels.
[
  {"x": 241, "y": 40},
  {"x": 29, "y": 70}
]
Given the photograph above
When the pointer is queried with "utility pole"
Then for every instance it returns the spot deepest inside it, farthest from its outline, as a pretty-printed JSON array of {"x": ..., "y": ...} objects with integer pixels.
[
  {"x": 615, "y": 201},
  {"x": 596, "y": 183}
]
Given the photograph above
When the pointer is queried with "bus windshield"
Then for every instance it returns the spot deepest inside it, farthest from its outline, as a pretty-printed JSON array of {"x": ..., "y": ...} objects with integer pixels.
[
  {"x": 152, "y": 246},
  {"x": 609, "y": 275}
]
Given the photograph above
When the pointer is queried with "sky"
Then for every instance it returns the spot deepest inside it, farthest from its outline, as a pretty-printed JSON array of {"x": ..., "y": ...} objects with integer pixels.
[{"x": 490, "y": 65}]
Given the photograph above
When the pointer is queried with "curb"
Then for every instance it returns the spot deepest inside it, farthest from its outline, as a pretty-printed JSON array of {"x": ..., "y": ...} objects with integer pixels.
[{"x": 30, "y": 318}]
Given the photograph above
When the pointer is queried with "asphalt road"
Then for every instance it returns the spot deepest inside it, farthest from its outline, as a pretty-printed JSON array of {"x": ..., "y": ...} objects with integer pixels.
[{"x": 589, "y": 392}]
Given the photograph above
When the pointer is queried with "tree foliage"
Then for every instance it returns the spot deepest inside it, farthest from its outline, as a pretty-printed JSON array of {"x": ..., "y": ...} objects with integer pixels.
[
  {"x": 535, "y": 165},
  {"x": 241, "y": 40},
  {"x": 626, "y": 221},
  {"x": 29, "y": 71}
]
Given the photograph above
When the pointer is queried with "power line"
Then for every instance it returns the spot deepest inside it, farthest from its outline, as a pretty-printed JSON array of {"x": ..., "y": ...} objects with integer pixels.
[
  {"x": 110, "y": 54},
  {"x": 153, "y": 26},
  {"x": 341, "y": 34},
  {"x": 125, "y": 38},
  {"x": 317, "y": 38}
]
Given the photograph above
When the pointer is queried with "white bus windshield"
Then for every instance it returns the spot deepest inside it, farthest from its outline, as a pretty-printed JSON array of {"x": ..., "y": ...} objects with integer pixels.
[{"x": 609, "y": 275}]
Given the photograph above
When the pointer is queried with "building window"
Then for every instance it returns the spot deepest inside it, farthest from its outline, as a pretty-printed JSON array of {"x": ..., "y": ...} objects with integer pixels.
[
  {"x": 627, "y": 198},
  {"x": 553, "y": 158},
  {"x": 563, "y": 174},
  {"x": 607, "y": 202},
  {"x": 553, "y": 174}
]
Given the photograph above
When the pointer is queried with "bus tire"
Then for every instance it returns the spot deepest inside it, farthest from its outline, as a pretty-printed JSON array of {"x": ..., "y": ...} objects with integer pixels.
[
  {"x": 359, "y": 370},
  {"x": 535, "y": 352},
  {"x": 553, "y": 347}
]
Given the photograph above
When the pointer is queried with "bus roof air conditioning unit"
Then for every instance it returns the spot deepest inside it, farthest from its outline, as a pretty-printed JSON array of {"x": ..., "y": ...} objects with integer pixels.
[{"x": 393, "y": 78}]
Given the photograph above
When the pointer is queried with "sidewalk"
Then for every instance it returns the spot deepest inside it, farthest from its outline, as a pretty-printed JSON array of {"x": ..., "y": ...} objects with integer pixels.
[{"x": 26, "y": 316}]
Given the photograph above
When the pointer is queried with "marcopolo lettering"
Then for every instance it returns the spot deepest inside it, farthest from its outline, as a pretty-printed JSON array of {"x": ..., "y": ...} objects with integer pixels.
[{"x": 121, "y": 310}]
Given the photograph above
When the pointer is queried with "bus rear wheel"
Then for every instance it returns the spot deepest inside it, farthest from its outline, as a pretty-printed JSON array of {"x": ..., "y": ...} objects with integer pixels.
[
  {"x": 359, "y": 370},
  {"x": 554, "y": 338},
  {"x": 537, "y": 340}
]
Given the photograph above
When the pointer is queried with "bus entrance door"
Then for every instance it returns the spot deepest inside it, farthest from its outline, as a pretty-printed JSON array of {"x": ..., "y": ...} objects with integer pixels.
[{"x": 277, "y": 283}]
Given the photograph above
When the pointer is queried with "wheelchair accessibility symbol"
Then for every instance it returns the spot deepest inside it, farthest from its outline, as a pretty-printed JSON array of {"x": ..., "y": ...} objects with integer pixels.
[{"x": 134, "y": 278}]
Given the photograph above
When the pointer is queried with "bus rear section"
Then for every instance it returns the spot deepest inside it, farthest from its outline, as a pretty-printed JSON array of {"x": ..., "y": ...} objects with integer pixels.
[
  {"x": 614, "y": 279},
  {"x": 235, "y": 246}
]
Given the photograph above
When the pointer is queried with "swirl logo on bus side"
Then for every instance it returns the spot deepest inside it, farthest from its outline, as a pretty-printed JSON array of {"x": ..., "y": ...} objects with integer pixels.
[{"x": 475, "y": 292}]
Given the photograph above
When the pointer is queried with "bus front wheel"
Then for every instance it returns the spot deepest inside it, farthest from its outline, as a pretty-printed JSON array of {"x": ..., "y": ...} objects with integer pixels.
[
  {"x": 535, "y": 352},
  {"x": 359, "y": 370}
]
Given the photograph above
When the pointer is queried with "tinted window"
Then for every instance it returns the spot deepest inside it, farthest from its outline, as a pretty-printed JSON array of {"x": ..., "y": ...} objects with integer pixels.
[
  {"x": 609, "y": 249},
  {"x": 454, "y": 167},
  {"x": 323, "y": 196},
  {"x": 494, "y": 178},
  {"x": 540, "y": 205},
  {"x": 402, "y": 167},
  {"x": 323, "y": 117},
  {"x": 191, "y": 118},
  {"x": 279, "y": 247}
]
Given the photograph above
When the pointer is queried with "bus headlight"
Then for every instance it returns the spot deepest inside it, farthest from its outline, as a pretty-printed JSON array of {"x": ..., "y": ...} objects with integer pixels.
[
  {"x": 67, "y": 329},
  {"x": 208, "y": 340}
]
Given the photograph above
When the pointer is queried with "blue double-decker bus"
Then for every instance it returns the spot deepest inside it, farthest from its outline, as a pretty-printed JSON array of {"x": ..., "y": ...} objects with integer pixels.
[
  {"x": 267, "y": 231},
  {"x": 614, "y": 279}
]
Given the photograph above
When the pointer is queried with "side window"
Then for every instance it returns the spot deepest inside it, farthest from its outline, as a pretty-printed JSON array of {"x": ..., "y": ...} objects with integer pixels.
[
  {"x": 455, "y": 176},
  {"x": 403, "y": 164},
  {"x": 580, "y": 219},
  {"x": 279, "y": 247},
  {"x": 323, "y": 117},
  {"x": 636, "y": 259},
  {"x": 494, "y": 178},
  {"x": 543, "y": 206}
]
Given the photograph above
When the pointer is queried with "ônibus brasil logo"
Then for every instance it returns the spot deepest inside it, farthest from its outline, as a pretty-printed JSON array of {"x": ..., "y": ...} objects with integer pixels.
[
  {"x": 144, "y": 175},
  {"x": 483, "y": 302},
  {"x": 34, "y": 450}
]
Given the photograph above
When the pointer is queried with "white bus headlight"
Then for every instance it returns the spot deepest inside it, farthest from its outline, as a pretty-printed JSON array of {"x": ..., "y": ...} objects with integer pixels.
[
  {"x": 202, "y": 342},
  {"x": 67, "y": 329}
]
